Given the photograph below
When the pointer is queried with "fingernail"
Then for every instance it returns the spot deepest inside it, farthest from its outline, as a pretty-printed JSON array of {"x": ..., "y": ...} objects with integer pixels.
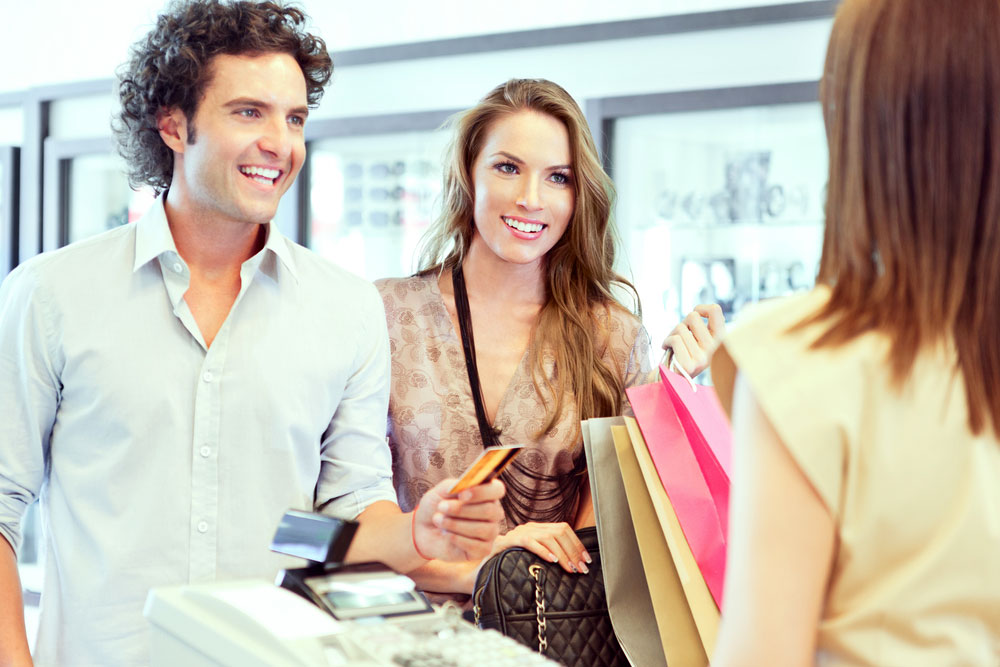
[
  {"x": 465, "y": 495},
  {"x": 572, "y": 567},
  {"x": 586, "y": 557},
  {"x": 443, "y": 507},
  {"x": 554, "y": 558},
  {"x": 437, "y": 519},
  {"x": 583, "y": 568}
]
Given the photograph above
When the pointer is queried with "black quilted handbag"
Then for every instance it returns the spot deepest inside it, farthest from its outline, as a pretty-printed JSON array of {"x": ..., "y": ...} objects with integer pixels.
[{"x": 563, "y": 615}]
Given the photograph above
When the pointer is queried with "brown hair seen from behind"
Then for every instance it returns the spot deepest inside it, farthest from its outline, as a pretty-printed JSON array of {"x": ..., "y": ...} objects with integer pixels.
[{"x": 911, "y": 101}]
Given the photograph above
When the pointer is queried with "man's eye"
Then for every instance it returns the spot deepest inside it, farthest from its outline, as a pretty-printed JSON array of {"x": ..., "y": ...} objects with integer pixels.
[
  {"x": 248, "y": 113},
  {"x": 297, "y": 120}
]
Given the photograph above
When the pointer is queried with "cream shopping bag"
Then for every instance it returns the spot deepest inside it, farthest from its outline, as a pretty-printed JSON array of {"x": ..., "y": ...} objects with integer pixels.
[
  {"x": 687, "y": 616},
  {"x": 629, "y": 603}
]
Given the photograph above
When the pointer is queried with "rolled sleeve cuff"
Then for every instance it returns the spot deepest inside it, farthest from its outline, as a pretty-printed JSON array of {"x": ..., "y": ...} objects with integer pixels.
[
  {"x": 10, "y": 522},
  {"x": 350, "y": 505}
]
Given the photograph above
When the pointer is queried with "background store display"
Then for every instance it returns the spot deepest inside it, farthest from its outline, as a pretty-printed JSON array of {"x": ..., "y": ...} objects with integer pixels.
[
  {"x": 720, "y": 206},
  {"x": 371, "y": 199}
]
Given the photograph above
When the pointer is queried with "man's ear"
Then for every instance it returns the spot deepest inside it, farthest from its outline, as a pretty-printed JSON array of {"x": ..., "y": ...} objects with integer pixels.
[{"x": 172, "y": 124}]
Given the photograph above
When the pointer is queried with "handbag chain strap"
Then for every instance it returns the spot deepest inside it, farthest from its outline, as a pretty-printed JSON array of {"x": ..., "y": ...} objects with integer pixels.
[{"x": 538, "y": 572}]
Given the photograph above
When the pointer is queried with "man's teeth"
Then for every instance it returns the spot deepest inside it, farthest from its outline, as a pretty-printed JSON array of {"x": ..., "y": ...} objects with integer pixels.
[
  {"x": 524, "y": 226},
  {"x": 261, "y": 174}
]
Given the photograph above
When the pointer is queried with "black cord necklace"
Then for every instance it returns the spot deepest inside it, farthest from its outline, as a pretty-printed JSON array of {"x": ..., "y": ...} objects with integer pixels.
[{"x": 557, "y": 495}]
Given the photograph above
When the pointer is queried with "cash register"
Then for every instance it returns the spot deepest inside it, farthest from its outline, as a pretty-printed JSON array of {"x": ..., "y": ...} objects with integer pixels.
[{"x": 326, "y": 613}]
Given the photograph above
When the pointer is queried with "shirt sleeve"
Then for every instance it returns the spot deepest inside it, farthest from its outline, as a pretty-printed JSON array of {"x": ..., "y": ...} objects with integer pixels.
[
  {"x": 640, "y": 369},
  {"x": 356, "y": 468},
  {"x": 29, "y": 394}
]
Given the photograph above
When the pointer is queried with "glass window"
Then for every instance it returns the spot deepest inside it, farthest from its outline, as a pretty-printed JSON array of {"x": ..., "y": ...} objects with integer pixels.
[
  {"x": 100, "y": 197},
  {"x": 371, "y": 199},
  {"x": 720, "y": 206},
  {"x": 9, "y": 159}
]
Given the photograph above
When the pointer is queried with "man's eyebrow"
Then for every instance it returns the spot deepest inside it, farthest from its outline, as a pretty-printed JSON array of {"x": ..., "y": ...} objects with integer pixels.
[
  {"x": 259, "y": 104},
  {"x": 246, "y": 102}
]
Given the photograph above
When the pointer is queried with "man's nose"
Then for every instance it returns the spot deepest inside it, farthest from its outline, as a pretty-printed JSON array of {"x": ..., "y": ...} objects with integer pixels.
[{"x": 276, "y": 139}]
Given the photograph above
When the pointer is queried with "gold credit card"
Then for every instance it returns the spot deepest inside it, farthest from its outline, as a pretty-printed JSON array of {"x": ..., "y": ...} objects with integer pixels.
[{"x": 487, "y": 466}]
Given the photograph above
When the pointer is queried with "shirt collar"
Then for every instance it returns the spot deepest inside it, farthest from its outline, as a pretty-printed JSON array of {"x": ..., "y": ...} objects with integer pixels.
[
  {"x": 152, "y": 235},
  {"x": 279, "y": 248},
  {"x": 153, "y": 239}
]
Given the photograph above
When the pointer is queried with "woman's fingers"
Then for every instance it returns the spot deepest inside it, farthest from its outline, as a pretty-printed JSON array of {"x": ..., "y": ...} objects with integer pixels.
[
  {"x": 474, "y": 529},
  {"x": 574, "y": 550},
  {"x": 686, "y": 350},
  {"x": 694, "y": 340},
  {"x": 716, "y": 318},
  {"x": 542, "y": 551},
  {"x": 695, "y": 323},
  {"x": 554, "y": 542},
  {"x": 475, "y": 512}
]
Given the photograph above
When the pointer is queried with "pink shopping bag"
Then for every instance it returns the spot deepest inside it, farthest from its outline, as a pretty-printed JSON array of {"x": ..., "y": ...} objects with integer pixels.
[
  {"x": 682, "y": 455},
  {"x": 708, "y": 430}
]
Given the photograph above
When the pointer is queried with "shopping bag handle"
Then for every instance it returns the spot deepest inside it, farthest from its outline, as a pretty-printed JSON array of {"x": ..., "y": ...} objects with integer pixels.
[{"x": 671, "y": 362}]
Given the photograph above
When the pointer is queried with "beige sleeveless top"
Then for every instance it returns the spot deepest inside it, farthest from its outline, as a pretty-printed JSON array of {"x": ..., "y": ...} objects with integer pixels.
[
  {"x": 432, "y": 428},
  {"x": 914, "y": 494}
]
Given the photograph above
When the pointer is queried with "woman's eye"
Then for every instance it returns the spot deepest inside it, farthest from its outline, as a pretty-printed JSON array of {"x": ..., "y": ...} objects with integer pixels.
[
  {"x": 506, "y": 168},
  {"x": 560, "y": 178}
]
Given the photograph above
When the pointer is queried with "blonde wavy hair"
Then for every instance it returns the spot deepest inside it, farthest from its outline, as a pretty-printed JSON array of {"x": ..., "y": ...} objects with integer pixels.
[{"x": 572, "y": 326}]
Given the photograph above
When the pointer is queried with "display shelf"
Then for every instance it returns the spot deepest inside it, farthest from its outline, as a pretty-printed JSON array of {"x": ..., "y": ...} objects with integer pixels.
[{"x": 723, "y": 205}]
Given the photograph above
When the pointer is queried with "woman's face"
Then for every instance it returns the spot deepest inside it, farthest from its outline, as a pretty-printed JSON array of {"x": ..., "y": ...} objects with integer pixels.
[{"x": 523, "y": 182}]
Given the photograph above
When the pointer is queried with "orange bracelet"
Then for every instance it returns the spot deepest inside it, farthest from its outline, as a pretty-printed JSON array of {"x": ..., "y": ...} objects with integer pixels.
[{"x": 413, "y": 536}]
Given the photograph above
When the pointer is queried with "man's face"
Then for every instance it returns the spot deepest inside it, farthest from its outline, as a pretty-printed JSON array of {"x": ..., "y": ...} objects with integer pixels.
[{"x": 249, "y": 141}]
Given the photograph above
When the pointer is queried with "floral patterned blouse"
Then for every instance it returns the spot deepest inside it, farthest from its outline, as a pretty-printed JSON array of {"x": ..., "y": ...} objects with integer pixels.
[{"x": 432, "y": 427}]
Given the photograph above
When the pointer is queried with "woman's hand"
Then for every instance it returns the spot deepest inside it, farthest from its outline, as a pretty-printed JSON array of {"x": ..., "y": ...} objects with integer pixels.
[
  {"x": 693, "y": 342},
  {"x": 461, "y": 527},
  {"x": 554, "y": 542}
]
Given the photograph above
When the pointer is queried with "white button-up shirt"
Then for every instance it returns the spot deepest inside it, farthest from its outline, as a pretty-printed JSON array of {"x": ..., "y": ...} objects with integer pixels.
[{"x": 158, "y": 460}]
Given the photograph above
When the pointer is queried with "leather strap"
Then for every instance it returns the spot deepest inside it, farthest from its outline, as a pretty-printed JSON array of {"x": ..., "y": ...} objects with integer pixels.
[
  {"x": 490, "y": 435},
  {"x": 527, "y": 489}
]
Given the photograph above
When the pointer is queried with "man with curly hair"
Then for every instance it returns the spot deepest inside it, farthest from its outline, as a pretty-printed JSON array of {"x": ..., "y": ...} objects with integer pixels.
[{"x": 171, "y": 387}]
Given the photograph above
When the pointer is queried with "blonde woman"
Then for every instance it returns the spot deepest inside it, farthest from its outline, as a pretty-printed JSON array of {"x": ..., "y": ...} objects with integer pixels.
[{"x": 518, "y": 291}]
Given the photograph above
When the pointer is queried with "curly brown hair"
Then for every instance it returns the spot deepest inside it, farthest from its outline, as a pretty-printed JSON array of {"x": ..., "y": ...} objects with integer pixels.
[{"x": 170, "y": 69}]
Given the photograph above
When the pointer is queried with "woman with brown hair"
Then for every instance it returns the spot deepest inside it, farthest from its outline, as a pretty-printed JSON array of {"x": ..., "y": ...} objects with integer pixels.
[
  {"x": 865, "y": 518},
  {"x": 518, "y": 291}
]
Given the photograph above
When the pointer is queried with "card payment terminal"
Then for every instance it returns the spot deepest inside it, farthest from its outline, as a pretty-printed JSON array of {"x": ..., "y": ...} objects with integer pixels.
[{"x": 322, "y": 614}]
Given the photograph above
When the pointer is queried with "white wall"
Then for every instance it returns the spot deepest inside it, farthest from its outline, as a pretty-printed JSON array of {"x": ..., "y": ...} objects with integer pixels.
[{"x": 60, "y": 41}]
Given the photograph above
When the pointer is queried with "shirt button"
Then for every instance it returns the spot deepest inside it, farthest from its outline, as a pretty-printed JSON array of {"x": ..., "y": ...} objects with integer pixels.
[
  {"x": 205, "y": 451},
  {"x": 207, "y": 377},
  {"x": 202, "y": 526},
  {"x": 178, "y": 268}
]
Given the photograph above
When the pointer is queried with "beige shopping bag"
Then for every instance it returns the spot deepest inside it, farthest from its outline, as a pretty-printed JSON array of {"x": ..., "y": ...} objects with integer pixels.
[
  {"x": 680, "y": 596},
  {"x": 629, "y": 603}
]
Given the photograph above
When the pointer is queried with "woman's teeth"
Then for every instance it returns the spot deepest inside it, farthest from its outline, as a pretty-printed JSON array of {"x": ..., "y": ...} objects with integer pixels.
[
  {"x": 524, "y": 226},
  {"x": 262, "y": 175}
]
